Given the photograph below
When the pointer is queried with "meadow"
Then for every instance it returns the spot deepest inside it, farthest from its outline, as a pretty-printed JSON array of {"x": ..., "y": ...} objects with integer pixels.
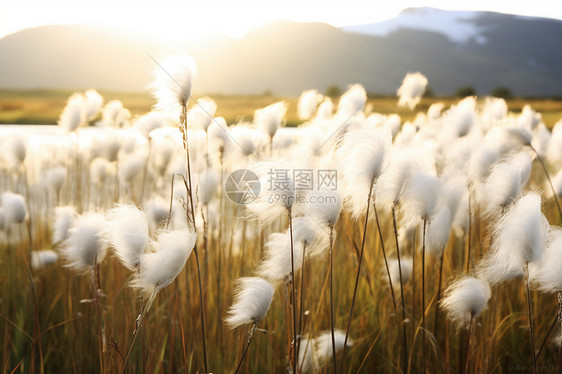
[
  {"x": 45, "y": 106},
  {"x": 383, "y": 238}
]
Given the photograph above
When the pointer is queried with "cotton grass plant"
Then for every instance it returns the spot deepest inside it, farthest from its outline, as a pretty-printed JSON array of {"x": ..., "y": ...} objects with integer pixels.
[{"x": 451, "y": 193}]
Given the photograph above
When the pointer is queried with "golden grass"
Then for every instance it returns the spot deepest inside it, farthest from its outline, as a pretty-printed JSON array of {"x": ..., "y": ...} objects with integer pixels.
[
  {"x": 45, "y": 106},
  {"x": 65, "y": 333},
  {"x": 48, "y": 325}
]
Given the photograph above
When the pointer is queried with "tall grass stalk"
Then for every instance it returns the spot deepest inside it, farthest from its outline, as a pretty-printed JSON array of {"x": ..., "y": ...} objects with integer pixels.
[
  {"x": 251, "y": 334},
  {"x": 423, "y": 295},
  {"x": 549, "y": 180},
  {"x": 559, "y": 296},
  {"x": 404, "y": 358},
  {"x": 331, "y": 272},
  {"x": 358, "y": 272},
  {"x": 183, "y": 128},
  {"x": 403, "y": 306},
  {"x": 531, "y": 332},
  {"x": 293, "y": 298}
]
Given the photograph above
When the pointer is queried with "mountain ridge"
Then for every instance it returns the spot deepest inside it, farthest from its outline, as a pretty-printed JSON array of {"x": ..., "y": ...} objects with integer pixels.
[{"x": 286, "y": 57}]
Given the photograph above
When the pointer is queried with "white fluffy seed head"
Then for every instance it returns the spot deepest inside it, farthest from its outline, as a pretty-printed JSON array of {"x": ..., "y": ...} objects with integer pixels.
[
  {"x": 173, "y": 80},
  {"x": 466, "y": 299},
  {"x": 362, "y": 158},
  {"x": 99, "y": 168},
  {"x": 93, "y": 102},
  {"x": 502, "y": 187},
  {"x": 352, "y": 101},
  {"x": 307, "y": 352},
  {"x": 308, "y": 101},
  {"x": 546, "y": 275},
  {"x": 270, "y": 118},
  {"x": 325, "y": 109},
  {"x": 42, "y": 259},
  {"x": 277, "y": 192},
  {"x": 201, "y": 115},
  {"x": 208, "y": 184},
  {"x": 518, "y": 136},
  {"x": 252, "y": 299},
  {"x": 149, "y": 122},
  {"x": 394, "y": 270},
  {"x": 73, "y": 114},
  {"x": 114, "y": 114},
  {"x": 64, "y": 218},
  {"x": 127, "y": 233},
  {"x": 519, "y": 237},
  {"x": 324, "y": 206},
  {"x": 390, "y": 188},
  {"x": 276, "y": 265},
  {"x": 16, "y": 150},
  {"x": 157, "y": 211},
  {"x": 84, "y": 245},
  {"x": 480, "y": 163},
  {"x": 438, "y": 231},
  {"x": 158, "y": 269},
  {"x": 421, "y": 199},
  {"x": 313, "y": 237},
  {"x": 14, "y": 207},
  {"x": 324, "y": 345},
  {"x": 130, "y": 166},
  {"x": 412, "y": 88},
  {"x": 55, "y": 178}
]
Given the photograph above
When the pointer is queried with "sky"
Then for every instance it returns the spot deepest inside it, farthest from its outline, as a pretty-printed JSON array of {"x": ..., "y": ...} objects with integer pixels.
[{"x": 173, "y": 19}]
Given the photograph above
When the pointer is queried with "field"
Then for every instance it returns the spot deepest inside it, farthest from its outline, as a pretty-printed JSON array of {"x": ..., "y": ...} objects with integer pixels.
[
  {"x": 347, "y": 205},
  {"x": 45, "y": 106}
]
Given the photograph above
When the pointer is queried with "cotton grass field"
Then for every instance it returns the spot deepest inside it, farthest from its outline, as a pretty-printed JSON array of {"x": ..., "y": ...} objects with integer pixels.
[{"x": 423, "y": 239}]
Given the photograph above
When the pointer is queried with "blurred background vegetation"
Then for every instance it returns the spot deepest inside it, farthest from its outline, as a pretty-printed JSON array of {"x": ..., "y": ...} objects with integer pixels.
[{"x": 45, "y": 106}]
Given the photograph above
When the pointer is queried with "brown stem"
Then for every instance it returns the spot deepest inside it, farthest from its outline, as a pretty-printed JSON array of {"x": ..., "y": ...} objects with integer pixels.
[
  {"x": 549, "y": 181},
  {"x": 332, "y": 296},
  {"x": 358, "y": 272},
  {"x": 295, "y": 353},
  {"x": 405, "y": 353},
  {"x": 190, "y": 190},
  {"x": 423, "y": 296},
  {"x": 530, "y": 317}
]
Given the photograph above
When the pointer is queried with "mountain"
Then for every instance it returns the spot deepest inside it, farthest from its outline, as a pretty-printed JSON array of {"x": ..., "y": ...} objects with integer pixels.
[{"x": 452, "y": 49}]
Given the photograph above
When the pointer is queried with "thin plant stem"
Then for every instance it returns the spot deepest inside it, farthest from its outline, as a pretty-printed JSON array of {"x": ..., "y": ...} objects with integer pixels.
[
  {"x": 250, "y": 338},
  {"x": 554, "y": 321},
  {"x": 190, "y": 191},
  {"x": 405, "y": 353},
  {"x": 423, "y": 295},
  {"x": 549, "y": 180},
  {"x": 467, "y": 353},
  {"x": 358, "y": 273},
  {"x": 385, "y": 258},
  {"x": 559, "y": 295},
  {"x": 332, "y": 296},
  {"x": 145, "y": 170},
  {"x": 436, "y": 324},
  {"x": 138, "y": 327},
  {"x": 96, "y": 290},
  {"x": 469, "y": 233},
  {"x": 201, "y": 309},
  {"x": 414, "y": 252},
  {"x": 404, "y": 357},
  {"x": 293, "y": 300},
  {"x": 527, "y": 286},
  {"x": 301, "y": 304}
]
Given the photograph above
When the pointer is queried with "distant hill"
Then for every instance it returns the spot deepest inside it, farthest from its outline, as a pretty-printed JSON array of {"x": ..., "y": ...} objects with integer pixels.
[{"x": 452, "y": 49}]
